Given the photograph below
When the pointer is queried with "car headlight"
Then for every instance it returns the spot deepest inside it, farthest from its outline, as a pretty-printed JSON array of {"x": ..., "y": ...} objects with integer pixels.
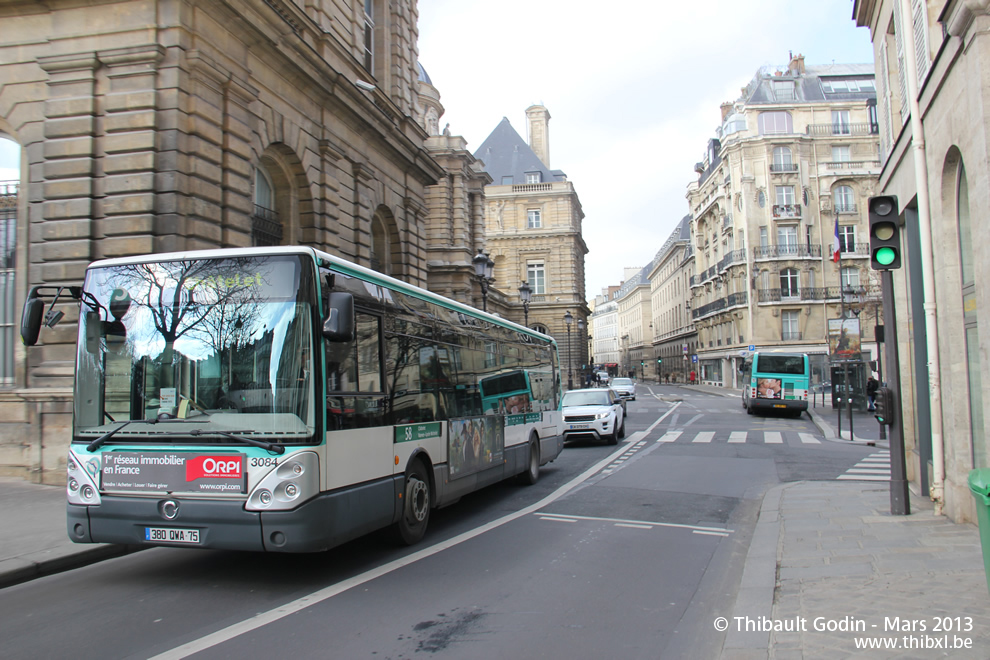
[{"x": 603, "y": 415}]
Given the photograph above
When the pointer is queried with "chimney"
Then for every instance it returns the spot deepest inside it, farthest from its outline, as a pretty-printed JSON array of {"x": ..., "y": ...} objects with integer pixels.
[
  {"x": 726, "y": 110},
  {"x": 539, "y": 133},
  {"x": 796, "y": 67}
]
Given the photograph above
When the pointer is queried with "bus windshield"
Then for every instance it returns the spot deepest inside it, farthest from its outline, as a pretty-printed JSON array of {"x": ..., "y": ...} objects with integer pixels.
[
  {"x": 781, "y": 364},
  {"x": 223, "y": 344}
]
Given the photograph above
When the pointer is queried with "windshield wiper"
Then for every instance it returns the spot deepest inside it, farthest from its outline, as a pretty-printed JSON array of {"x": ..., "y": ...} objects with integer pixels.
[
  {"x": 270, "y": 446},
  {"x": 100, "y": 441}
]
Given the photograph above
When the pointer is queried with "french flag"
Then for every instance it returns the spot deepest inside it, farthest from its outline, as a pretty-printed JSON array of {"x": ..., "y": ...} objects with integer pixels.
[{"x": 835, "y": 244}]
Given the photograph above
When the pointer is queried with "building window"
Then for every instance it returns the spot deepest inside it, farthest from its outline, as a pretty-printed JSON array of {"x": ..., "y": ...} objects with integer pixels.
[
  {"x": 789, "y": 325},
  {"x": 845, "y": 199},
  {"x": 782, "y": 160},
  {"x": 534, "y": 177},
  {"x": 775, "y": 123},
  {"x": 840, "y": 122},
  {"x": 789, "y": 283},
  {"x": 8, "y": 245},
  {"x": 369, "y": 36},
  {"x": 847, "y": 238},
  {"x": 506, "y": 180},
  {"x": 266, "y": 227},
  {"x": 533, "y": 220},
  {"x": 783, "y": 90},
  {"x": 536, "y": 276},
  {"x": 850, "y": 278},
  {"x": 840, "y": 154},
  {"x": 787, "y": 240},
  {"x": 785, "y": 195}
]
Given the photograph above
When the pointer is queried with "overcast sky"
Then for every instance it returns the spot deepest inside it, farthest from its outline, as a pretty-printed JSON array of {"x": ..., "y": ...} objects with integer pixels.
[{"x": 633, "y": 92}]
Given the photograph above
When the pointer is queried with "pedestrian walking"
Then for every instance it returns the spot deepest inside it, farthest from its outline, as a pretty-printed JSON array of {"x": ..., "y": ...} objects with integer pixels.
[
  {"x": 691, "y": 377},
  {"x": 871, "y": 391}
]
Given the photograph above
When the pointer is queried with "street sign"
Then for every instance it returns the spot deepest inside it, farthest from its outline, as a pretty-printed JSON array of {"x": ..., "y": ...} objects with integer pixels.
[
  {"x": 752, "y": 347},
  {"x": 694, "y": 358}
]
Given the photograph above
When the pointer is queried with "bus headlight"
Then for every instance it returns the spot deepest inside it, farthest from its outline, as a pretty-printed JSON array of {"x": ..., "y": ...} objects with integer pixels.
[
  {"x": 294, "y": 481},
  {"x": 81, "y": 484}
]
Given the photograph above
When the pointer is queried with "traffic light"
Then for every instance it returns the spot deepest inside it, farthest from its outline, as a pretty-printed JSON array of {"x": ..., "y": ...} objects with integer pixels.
[
  {"x": 659, "y": 360},
  {"x": 885, "y": 233},
  {"x": 642, "y": 363},
  {"x": 884, "y": 406}
]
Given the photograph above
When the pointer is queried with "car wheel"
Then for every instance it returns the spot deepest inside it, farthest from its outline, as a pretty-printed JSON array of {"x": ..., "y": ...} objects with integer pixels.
[
  {"x": 415, "y": 506},
  {"x": 613, "y": 439},
  {"x": 749, "y": 410},
  {"x": 622, "y": 429}
]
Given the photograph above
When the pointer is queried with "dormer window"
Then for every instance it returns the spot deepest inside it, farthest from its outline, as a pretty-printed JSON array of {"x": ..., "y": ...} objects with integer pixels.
[{"x": 534, "y": 177}]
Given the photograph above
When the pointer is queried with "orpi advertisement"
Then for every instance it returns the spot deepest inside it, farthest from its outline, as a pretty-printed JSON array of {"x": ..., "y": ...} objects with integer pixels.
[{"x": 176, "y": 472}]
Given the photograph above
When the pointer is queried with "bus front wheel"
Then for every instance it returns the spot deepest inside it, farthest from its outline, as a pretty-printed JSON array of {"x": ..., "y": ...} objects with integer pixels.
[{"x": 416, "y": 505}]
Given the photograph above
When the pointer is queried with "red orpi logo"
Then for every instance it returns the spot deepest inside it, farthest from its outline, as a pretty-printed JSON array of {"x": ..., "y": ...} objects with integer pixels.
[{"x": 214, "y": 467}]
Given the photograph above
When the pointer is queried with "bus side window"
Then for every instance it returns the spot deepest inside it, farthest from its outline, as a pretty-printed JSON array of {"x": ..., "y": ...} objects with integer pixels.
[{"x": 353, "y": 371}]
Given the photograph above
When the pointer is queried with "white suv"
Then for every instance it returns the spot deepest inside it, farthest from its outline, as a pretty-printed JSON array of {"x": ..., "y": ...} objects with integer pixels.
[
  {"x": 597, "y": 412},
  {"x": 624, "y": 387}
]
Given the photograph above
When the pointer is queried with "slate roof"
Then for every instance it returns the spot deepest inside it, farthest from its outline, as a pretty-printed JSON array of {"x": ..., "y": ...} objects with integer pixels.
[
  {"x": 808, "y": 87},
  {"x": 505, "y": 153}
]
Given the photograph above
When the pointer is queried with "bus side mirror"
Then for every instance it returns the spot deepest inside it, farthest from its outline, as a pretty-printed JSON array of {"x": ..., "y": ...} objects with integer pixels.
[
  {"x": 339, "y": 324},
  {"x": 31, "y": 319}
]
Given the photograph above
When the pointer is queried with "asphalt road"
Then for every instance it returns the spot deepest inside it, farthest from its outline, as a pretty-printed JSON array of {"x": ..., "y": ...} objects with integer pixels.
[{"x": 627, "y": 551}]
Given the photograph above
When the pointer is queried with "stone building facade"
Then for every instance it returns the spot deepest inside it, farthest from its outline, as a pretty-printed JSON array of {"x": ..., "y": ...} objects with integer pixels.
[
  {"x": 605, "y": 331},
  {"x": 636, "y": 326},
  {"x": 793, "y": 164},
  {"x": 674, "y": 338},
  {"x": 931, "y": 60},
  {"x": 533, "y": 232},
  {"x": 159, "y": 125}
]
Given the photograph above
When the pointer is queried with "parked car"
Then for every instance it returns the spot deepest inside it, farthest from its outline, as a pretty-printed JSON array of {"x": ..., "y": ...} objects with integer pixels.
[
  {"x": 597, "y": 412},
  {"x": 624, "y": 387}
]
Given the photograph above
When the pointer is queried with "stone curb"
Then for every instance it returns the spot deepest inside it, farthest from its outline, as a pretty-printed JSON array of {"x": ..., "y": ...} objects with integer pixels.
[{"x": 16, "y": 570}]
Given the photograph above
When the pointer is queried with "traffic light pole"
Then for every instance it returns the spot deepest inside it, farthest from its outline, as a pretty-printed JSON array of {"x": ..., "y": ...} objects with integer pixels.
[{"x": 900, "y": 502}]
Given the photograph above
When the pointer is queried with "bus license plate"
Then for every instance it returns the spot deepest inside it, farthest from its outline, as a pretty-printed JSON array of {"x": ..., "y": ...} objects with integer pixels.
[
  {"x": 170, "y": 535},
  {"x": 779, "y": 405}
]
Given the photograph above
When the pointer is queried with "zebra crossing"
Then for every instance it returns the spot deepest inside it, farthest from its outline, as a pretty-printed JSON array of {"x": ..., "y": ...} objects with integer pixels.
[
  {"x": 875, "y": 467},
  {"x": 765, "y": 437}
]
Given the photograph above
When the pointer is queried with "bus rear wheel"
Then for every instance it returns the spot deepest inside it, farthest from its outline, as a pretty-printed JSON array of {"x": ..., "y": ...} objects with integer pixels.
[
  {"x": 532, "y": 473},
  {"x": 416, "y": 504}
]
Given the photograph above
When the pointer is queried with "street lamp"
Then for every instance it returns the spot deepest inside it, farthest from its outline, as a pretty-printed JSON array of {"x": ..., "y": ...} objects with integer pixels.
[
  {"x": 580, "y": 324},
  {"x": 568, "y": 319},
  {"x": 525, "y": 295},
  {"x": 483, "y": 267}
]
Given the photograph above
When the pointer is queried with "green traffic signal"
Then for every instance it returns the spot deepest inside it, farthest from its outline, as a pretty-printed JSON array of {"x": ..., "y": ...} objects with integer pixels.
[
  {"x": 885, "y": 256},
  {"x": 885, "y": 240}
]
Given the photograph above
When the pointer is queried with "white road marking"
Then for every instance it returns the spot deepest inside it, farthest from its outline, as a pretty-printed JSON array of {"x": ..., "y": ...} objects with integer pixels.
[
  {"x": 704, "y": 436},
  {"x": 737, "y": 436},
  {"x": 772, "y": 437},
  {"x": 670, "y": 436},
  {"x": 809, "y": 439},
  {"x": 264, "y": 618}
]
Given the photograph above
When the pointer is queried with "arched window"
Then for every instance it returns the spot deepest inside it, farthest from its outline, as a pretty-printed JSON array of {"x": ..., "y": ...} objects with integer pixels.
[
  {"x": 381, "y": 251},
  {"x": 782, "y": 160},
  {"x": 845, "y": 199},
  {"x": 539, "y": 327},
  {"x": 266, "y": 227}
]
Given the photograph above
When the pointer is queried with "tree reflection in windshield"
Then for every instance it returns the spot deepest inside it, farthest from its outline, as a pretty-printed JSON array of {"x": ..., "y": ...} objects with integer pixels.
[{"x": 184, "y": 338}]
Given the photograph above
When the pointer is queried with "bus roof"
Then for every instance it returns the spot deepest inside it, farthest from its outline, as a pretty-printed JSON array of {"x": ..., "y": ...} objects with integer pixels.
[{"x": 324, "y": 259}]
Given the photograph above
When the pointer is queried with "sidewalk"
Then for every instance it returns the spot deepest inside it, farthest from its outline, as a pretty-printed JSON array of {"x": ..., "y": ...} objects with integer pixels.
[
  {"x": 35, "y": 542},
  {"x": 830, "y": 555}
]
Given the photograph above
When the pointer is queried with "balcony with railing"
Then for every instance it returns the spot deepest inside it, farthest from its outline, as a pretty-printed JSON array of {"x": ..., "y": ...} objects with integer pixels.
[
  {"x": 852, "y": 166},
  {"x": 842, "y": 128},
  {"x": 734, "y": 257},
  {"x": 783, "y": 168},
  {"x": 806, "y": 294},
  {"x": 787, "y": 251},
  {"x": 846, "y": 207},
  {"x": 786, "y": 211},
  {"x": 730, "y": 301}
]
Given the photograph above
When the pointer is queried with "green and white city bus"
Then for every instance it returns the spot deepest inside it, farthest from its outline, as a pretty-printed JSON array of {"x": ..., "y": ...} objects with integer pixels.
[
  {"x": 282, "y": 399},
  {"x": 775, "y": 381}
]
